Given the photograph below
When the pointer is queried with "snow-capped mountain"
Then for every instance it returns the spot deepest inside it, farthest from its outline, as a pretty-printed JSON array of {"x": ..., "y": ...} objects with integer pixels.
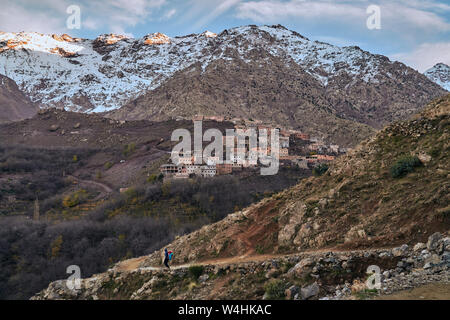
[
  {"x": 267, "y": 73},
  {"x": 95, "y": 75},
  {"x": 440, "y": 74},
  {"x": 105, "y": 73}
]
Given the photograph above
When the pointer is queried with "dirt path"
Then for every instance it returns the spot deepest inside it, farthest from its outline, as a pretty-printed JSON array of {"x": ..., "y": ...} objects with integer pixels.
[
  {"x": 132, "y": 264},
  {"x": 129, "y": 265},
  {"x": 105, "y": 189}
]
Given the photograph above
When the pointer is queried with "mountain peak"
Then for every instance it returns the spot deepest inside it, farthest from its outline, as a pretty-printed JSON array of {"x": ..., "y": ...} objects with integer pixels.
[
  {"x": 34, "y": 41},
  {"x": 440, "y": 74},
  {"x": 111, "y": 38},
  {"x": 156, "y": 38},
  {"x": 209, "y": 34},
  {"x": 96, "y": 76},
  {"x": 442, "y": 65},
  {"x": 64, "y": 37}
]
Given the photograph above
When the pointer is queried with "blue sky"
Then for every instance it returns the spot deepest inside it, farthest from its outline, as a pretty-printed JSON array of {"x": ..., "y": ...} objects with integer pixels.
[{"x": 416, "y": 32}]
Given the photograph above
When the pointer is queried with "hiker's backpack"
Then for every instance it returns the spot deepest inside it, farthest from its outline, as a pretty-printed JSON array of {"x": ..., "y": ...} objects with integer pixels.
[{"x": 170, "y": 255}]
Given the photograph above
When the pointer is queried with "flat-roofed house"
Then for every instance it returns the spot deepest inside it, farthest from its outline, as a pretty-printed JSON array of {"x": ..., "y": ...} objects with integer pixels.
[
  {"x": 224, "y": 168},
  {"x": 208, "y": 171},
  {"x": 194, "y": 169},
  {"x": 168, "y": 169}
]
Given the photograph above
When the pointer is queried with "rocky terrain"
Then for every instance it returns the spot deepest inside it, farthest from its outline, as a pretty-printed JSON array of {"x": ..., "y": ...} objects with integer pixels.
[
  {"x": 359, "y": 202},
  {"x": 316, "y": 239},
  {"x": 14, "y": 104},
  {"x": 440, "y": 74},
  {"x": 265, "y": 89},
  {"x": 267, "y": 73},
  {"x": 82, "y": 189},
  {"x": 306, "y": 276}
]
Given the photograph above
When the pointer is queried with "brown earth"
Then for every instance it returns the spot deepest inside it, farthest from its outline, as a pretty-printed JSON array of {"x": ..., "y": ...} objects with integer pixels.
[{"x": 356, "y": 204}]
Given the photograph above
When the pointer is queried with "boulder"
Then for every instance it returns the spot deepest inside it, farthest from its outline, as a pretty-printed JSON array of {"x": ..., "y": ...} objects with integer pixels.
[
  {"x": 424, "y": 158},
  {"x": 433, "y": 241},
  {"x": 446, "y": 243},
  {"x": 419, "y": 247},
  {"x": 309, "y": 291},
  {"x": 433, "y": 259},
  {"x": 271, "y": 273},
  {"x": 445, "y": 257},
  {"x": 358, "y": 286},
  {"x": 53, "y": 127},
  {"x": 203, "y": 278},
  {"x": 400, "y": 251},
  {"x": 291, "y": 292},
  {"x": 299, "y": 267}
]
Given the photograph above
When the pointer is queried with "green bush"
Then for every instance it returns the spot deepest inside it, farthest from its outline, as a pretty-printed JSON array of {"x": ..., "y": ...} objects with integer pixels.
[
  {"x": 108, "y": 165},
  {"x": 196, "y": 271},
  {"x": 128, "y": 149},
  {"x": 275, "y": 289},
  {"x": 155, "y": 178},
  {"x": 74, "y": 199},
  {"x": 404, "y": 166},
  {"x": 320, "y": 169}
]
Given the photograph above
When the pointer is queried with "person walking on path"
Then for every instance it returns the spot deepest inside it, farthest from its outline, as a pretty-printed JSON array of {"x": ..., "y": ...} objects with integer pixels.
[{"x": 167, "y": 257}]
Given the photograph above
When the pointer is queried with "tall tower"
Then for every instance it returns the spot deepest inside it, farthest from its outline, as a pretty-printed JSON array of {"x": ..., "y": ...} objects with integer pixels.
[{"x": 36, "y": 209}]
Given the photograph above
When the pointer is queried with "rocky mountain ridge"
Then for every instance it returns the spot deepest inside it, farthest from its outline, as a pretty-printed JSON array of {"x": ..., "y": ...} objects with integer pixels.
[
  {"x": 307, "y": 276},
  {"x": 440, "y": 74},
  {"x": 239, "y": 72}
]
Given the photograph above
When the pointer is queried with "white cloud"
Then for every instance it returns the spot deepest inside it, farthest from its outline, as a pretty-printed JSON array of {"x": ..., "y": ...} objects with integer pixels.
[
  {"x": 16, "y": 16},
  {"x": 425, "y": 56},
  {"x": 169, "y": 14},
  {"x": 406, "y": 17},
  {"x": 217, "y": 11},
  {"x": 426, "y": 4},
  {"x": 120, "y": 14},
  {"x": 271, "y": 10},
  {"x": 422, "y": 15},
  {"x": 49, "y": 16}
]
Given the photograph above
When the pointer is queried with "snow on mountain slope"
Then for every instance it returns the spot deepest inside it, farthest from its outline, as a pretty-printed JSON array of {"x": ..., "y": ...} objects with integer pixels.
[
  {"x": 88, "y": 75},
  {"x": 440, "y": 74},
  {"x": 321, "y": 60},
  {"x": 106, "y": 73}
]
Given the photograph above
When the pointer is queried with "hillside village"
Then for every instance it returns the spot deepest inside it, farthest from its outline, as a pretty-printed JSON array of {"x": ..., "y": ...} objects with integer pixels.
[{"x": 296, "y": 148}]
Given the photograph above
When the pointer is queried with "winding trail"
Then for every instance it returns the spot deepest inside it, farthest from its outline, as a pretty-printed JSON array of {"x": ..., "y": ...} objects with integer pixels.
[
  {"x": 105, "y": 189},
  {"x": 135, "y": 263}
]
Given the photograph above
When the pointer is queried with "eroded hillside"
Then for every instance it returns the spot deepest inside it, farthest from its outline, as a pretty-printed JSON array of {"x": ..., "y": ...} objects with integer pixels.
[{"x": 357, "y": 203}]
